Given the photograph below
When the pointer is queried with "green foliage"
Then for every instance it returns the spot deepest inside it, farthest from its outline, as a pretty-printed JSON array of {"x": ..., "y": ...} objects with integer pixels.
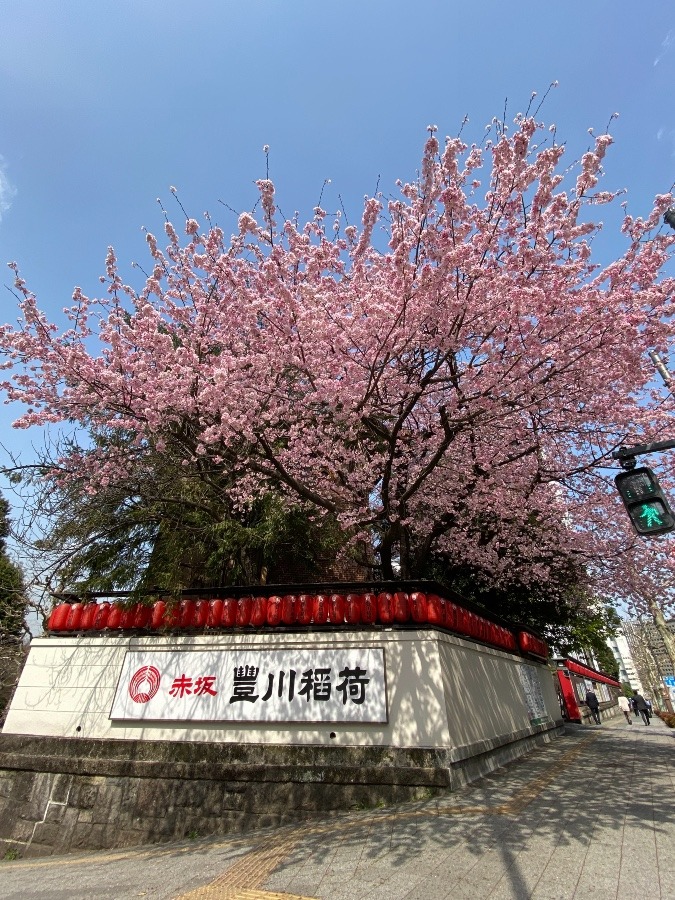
[
  {"x": 12, "y": 592},
  {"x": 167, "y": 528},
  {"x": 12, "y": 614},
  {"x": 12, "y": 600},
  {"x": 558, "y": 607}
]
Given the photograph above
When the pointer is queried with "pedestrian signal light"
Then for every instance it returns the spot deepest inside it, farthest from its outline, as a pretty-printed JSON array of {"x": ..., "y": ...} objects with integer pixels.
[{"x": 645, "y": 502}]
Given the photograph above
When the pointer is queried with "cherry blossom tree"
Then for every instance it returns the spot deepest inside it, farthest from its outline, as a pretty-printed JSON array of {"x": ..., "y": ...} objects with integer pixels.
[
  {"x": 449, "y": 378},
  {"x": 644, "y": 580}
]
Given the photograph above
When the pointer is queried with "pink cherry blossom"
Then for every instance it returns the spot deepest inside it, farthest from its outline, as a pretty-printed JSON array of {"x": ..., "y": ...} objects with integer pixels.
[{"x": 478, "y": 365}]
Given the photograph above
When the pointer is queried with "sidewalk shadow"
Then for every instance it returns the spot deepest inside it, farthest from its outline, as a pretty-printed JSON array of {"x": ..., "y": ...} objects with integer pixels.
[{"x": 614, "y": 783}]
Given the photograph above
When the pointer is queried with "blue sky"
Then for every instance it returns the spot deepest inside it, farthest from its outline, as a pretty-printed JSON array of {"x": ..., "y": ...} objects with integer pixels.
[{"x": 104, "y": 105}]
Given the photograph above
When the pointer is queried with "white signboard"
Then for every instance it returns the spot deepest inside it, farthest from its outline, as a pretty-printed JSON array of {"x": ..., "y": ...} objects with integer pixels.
[
  {"x": 533, "y": 694},
  {"x": 303, "y": 685}
]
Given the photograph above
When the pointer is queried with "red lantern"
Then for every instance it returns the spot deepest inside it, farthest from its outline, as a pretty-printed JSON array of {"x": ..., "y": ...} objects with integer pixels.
[
  {"x": 142, "y": 614},
  {"x": 475, "y": 626},
  {"x": 510, "y": 640},
  {"x": 288, "y": 613},
  {"x": 418, "y": 606},
  {"x": 101, "y": 617},
  {"x": 303, "y": 609},
  {"x": 401, "y": 607},
  {"x": 462, "y": 620},
  {"x": 88, "y": 616},
  {"x": 482, "y": 628},
  {"x": 244, "y": 608},
  {"x": 273, "y": 611},
  {"x": 187, "y": 613},
  {"x": 157, "y": 618},
  {"x": 172, "y": 615},
  {"x": 127, "y": 620},
  {"x": 435, "y": 608},
  {"x": 385, "y": 608},
  {"x": 259, "y": 612},
  {"x": 353, "y": 609},
  {"x": 59, "y": 617},
  {"x": 214, "y": 614},
  {"x": 368, "y": 609},
  {"x": 450, "y": 617},
  {"x": 74, "y": 617},
  {"x": 320, "y": 609},
  {"x": 470, "y": 621},
  {"x": 201, "y": 614},
  {"x": 229, "y": 617},
  {"x": 336, "y": 609},
  {"x": 115, "y": 616}
]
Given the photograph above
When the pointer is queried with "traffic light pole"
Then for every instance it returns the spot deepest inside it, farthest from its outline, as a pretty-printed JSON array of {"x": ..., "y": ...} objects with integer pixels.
[
  {"x": 626, "y": 455},
  {"x": 646, "y": 504}
]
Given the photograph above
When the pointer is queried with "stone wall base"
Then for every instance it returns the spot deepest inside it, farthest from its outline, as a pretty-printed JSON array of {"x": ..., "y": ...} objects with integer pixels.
[{"x": 61, "y": 795}]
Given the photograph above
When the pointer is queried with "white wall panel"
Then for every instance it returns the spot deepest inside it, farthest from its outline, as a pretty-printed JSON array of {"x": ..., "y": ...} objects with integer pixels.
[{"x": 442, "y": 691}]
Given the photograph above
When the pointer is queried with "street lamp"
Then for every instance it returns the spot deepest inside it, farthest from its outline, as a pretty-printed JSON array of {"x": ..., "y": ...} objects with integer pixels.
[{"x": 669, "y": 217}]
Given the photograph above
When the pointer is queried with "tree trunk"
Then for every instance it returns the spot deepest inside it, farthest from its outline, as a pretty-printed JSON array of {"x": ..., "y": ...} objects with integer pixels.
[{"x": 666, "y": 634}]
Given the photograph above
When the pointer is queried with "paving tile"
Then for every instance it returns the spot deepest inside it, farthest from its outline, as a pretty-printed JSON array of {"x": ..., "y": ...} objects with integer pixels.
[{"x": 569, "y": 826}]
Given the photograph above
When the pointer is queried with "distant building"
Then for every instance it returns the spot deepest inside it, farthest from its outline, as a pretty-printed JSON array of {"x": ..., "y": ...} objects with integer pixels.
[
  {"x": 646, "y": 634},
  {"x": 649, "y": 654},
  {"x": 627, "y": 669}
]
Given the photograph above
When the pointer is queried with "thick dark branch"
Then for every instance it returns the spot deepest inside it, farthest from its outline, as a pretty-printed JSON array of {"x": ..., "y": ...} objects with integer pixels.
[{"x": 289, "y": 480}]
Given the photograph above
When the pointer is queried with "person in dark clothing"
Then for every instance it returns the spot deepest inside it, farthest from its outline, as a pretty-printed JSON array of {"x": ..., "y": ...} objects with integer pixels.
[
  {"x": 593, "y": 704},
  {"x": 640, "y": 704}
]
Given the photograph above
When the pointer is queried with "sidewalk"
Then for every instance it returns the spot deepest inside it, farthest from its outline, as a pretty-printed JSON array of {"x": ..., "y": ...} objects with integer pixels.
[{"x": 590, "y": 816}]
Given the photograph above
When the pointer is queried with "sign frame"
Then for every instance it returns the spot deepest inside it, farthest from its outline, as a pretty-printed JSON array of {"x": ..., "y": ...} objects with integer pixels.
[{"x": 134, "y": 659}]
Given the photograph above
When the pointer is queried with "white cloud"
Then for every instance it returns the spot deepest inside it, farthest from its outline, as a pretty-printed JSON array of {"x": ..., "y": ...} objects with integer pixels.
[
  {"x": 7, "y": 189},
  {"x": 666, "y": 44},
  {"x": 667, "y": 134}
]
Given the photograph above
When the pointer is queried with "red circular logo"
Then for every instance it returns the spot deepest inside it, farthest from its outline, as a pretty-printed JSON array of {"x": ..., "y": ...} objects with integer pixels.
[{"x": 144, "y": 684}]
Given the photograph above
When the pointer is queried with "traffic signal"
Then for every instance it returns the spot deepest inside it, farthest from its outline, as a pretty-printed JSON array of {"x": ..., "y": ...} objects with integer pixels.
[{"x": 645, "y": 501}]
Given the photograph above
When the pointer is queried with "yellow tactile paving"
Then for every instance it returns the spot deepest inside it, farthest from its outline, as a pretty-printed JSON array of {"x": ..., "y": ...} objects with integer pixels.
[
  {"x": 220, "y": 892},
  {"x": 241, "y": 881},
  {"x": 533, "y": 788},
  {"x": 268, "y": 895}
]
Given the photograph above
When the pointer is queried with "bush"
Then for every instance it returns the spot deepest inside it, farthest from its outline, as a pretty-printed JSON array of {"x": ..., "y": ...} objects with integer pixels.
[{"x": 668, "y": 718}]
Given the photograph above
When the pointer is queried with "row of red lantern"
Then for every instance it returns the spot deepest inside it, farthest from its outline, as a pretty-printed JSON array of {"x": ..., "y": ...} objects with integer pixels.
[
  {"x": 531, "y": 644},
  {"x": 302, "y": 609}
]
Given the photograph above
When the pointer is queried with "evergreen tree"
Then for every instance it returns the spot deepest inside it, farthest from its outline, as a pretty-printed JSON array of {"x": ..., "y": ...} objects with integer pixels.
[{"x": 13, "y": 629}]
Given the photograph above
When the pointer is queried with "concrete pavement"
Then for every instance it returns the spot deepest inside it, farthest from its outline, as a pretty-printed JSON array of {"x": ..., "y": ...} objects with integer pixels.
[{"x": 589, "y": 816}]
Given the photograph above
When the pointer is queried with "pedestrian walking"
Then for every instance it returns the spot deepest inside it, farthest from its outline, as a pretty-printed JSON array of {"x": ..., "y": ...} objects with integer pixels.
[
  {"x": 640, "y": 704},
  {"x": 625, "y": 706},
  {"x": 593, "y": 704}
]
